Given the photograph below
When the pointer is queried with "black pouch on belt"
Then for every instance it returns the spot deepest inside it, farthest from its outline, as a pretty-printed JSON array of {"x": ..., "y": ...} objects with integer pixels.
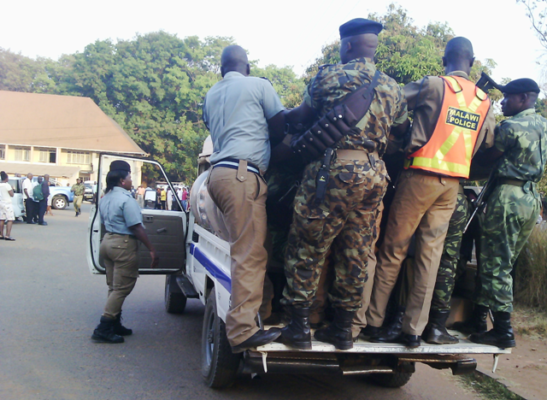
[{"x": 322, "y": 179}]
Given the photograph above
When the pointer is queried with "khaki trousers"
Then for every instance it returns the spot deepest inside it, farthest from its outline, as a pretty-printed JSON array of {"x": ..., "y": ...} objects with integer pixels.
[
  {"x": 423, "y": 204},
  {"x": 119, "y": 256},
  {"x": 241, "y": 197},
  {"x": 78, "y": 203}
]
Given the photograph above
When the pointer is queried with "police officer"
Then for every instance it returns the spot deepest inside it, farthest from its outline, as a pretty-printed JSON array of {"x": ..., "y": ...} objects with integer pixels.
[
  {"x": 79, "y": 190},
  {"x": 512, "y": 208},
  {"x": 243, "y": 114},
  {"x": 344, "y": 220},
  {"x": 122, "y": 219},
  {"x": 452, "y": 119}
]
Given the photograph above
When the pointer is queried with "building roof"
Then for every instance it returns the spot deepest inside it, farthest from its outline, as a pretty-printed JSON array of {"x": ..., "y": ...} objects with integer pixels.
[
  {"x": 38, "y": 169},
  {"x": 70, "y": 122}
]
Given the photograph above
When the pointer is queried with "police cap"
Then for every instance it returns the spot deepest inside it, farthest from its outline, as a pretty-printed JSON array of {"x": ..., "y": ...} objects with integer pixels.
[
  {"x": 523, "y": 85},
  {"x": 359, "y": 26},
  {"x": 120, "y": 165}
]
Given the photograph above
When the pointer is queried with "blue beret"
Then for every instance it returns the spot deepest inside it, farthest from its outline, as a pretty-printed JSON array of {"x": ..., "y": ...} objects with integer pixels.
[
  {"x": 120, "y": 165},
  {"x": 359, "y": 26},
  {"x": 523, "y": 85}
]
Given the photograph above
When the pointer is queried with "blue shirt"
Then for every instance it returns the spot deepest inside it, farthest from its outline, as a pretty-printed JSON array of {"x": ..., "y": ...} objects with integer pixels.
[
  {"x": 119, "y": 211},
  {"x": 236, "y": 111}
]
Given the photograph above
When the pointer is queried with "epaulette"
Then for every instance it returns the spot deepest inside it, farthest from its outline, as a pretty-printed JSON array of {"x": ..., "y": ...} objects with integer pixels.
[
  {"x": 325, "y": 66},
  {"x": 263, "y": 77}
]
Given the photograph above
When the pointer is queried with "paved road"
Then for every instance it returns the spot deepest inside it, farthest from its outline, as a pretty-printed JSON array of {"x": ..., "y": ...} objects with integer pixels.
[{"x": 49, "y": 304}]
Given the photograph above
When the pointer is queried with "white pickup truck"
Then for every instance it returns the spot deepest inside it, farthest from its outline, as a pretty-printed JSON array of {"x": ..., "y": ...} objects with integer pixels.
[{"x": 196, "y": 263}]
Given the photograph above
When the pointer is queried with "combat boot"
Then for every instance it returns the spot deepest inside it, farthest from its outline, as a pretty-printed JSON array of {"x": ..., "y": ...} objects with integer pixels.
[
  {"x": 476, "y": 323},
  {"x": 297, "y": 333},
  {"x": 338, "y": 332},
  {"x": 104, "y": 333},
  {"x": 502, "y": 334},
  {"x": 391, "y": 332},
  {"x": 119, "y": 329},
  {"x": 435, "y": 332}
]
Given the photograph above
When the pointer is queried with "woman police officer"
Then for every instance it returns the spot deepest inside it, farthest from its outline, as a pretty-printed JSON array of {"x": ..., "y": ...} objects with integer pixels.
[{"x": 122, "y": 219}]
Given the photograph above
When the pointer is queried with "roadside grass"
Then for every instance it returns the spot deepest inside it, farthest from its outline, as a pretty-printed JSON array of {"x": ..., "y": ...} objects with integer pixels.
[
  {"x": 488, "y": 388},
  {"x": 531, "y": 272},
  {"x": 530, "y": 321}
]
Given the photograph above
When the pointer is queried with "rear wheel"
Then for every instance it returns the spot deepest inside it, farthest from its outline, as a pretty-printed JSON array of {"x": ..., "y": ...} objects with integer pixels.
[
  {"x": 395, "y": 380},
  {"x": 175, "y": 301},
  {"x": 59, "y": 202},
  {"x": 218, "y": 364}
]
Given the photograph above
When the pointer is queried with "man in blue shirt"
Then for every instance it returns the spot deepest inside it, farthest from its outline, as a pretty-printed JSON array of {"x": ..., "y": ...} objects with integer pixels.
[{"x": 243, "y": 115}]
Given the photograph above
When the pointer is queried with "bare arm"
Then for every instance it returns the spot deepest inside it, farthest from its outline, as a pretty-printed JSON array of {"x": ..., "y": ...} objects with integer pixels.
[
  {"x": 140, "y": 234},
  {"x": 303, "y": 114},
  {"x": 276, "y": 126},
  {"x": 11, "y": 193}
]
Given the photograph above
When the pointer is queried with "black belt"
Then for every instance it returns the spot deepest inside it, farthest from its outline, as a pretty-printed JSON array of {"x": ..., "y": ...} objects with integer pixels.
[{"x": 123, "y": 234}]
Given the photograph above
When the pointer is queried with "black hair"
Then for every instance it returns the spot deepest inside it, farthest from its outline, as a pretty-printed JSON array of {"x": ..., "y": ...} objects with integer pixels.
[
  {"x": 3, "y": 176},
  {"x": 113, "y": 179}
]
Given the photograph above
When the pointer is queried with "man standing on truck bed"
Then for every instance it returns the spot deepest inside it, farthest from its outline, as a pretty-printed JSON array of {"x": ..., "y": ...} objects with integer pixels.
[
  {"x": 452, "y": 119},
  {"x": 344, "y": 219},
  {"x": 243, "y": 114},
  {"x": 512, "y": 207}
]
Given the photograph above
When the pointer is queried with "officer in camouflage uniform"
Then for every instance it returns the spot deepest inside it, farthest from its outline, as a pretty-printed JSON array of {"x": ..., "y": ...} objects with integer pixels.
[
  {"x": 345, "y": 221},
  {"x": 435, "y": 332},
  {"x": 512, "y": 207}
]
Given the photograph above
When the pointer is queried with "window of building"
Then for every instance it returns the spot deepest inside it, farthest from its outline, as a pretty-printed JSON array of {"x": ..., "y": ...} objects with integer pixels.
[
  {"x": 78, "y": 157},
  {"x": 2, "y": 152},
  {"x": 22, "y": 153},
  {"x": 47, "y": 156}
]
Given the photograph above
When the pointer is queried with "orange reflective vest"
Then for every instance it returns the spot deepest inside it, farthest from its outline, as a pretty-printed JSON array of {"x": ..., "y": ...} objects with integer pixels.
[{"x": 450, "y": 148}]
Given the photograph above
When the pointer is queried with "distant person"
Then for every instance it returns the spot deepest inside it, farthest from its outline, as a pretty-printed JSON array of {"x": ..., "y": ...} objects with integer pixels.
[
  {"x": 37, "y": 196},
  {"x": 169, "y": 198},
  {"x": 133, "y": 192},
  {"x": 7, "y": 216},
  {"x": 44, "y": 202},
  {"x": 140, "y": 196},
  {"x": 163, "y": 199},
  {"x": 79, "y": 190},
  {"x": 28, "y": 185},
  {"x": 122, "y": 219},
  {"x": 184, "y": 198},
  {"x": 157, "y": 205}
]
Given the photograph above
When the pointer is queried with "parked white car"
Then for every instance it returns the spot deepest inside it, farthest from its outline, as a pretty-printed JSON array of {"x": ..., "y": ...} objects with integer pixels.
[{"x": 17, "y": 199}]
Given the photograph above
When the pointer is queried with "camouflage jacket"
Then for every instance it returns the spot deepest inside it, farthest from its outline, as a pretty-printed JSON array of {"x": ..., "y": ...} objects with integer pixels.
[
  {"x": 523, "y": 141},
  {"x": 334, "y": 82}
]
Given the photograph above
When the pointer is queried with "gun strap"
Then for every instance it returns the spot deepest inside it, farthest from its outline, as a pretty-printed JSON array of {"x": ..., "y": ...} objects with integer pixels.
[{"x": 322, "y": 178}]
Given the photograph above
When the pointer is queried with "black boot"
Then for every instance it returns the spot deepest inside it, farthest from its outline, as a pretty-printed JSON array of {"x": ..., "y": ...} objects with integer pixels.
[
  {"x": 338, "y": 332},
  {"x": 104, "y": 333},
  {"x": 297, "y": 334},
  {"x": 435, "y": 332},
  {"x": 119, "y": 329},
  {"x": 476, "y": 323},
  {"x": 502, "y": 334},
  {"x": 392, "y": 331}
]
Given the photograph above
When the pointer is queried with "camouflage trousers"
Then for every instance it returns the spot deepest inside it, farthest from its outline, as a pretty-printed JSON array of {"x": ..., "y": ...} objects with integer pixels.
[
  {"x": 446, "y": 277},
  {"x": 343, "y": 222},
  {"x": 510, "y": 217}
]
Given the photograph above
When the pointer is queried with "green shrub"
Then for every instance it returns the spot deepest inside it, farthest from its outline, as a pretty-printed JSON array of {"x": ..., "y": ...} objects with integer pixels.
[{"x": 531, "y": 270}]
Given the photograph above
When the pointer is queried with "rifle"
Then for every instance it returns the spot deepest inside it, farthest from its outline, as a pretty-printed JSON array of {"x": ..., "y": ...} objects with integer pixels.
[
  {"x": 486, "y": 83},
  {"x": 483, "y": 195}
]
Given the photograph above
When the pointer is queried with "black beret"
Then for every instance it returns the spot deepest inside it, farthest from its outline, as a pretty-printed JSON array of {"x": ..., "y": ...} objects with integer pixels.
[
  {"x": 523, "y": 85},
  {"x": 359, "y": 26},
  {"x": 120, "y": 165}
]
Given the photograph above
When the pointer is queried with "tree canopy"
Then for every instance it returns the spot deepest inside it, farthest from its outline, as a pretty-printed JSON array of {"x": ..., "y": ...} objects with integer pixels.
[{"x": 154, "y": 84}]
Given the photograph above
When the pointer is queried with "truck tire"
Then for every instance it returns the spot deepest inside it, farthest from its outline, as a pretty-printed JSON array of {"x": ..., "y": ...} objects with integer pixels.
[
  {"x": 59, "y": 202},
  {"x": 218, "y": 364},
  {"x": 395, "y": 380},
  {"x": 175, "y": 302}
]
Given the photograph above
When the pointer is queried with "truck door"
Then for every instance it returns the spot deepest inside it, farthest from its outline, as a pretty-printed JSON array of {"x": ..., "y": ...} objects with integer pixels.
[{"x": 165, "y": 228}]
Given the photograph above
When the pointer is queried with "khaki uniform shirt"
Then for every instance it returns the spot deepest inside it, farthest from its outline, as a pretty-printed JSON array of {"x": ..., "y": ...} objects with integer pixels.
[
  {"x": 425, "y": 97},
  {"x": 334, "y": 82}
]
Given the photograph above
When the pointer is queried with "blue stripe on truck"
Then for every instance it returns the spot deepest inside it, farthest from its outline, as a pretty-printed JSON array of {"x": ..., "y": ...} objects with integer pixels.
[{"x": 217, "y": 273}]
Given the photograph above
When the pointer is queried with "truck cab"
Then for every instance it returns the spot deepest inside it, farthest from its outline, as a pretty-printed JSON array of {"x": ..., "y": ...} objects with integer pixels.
[{"x": 196, "y": 261}]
